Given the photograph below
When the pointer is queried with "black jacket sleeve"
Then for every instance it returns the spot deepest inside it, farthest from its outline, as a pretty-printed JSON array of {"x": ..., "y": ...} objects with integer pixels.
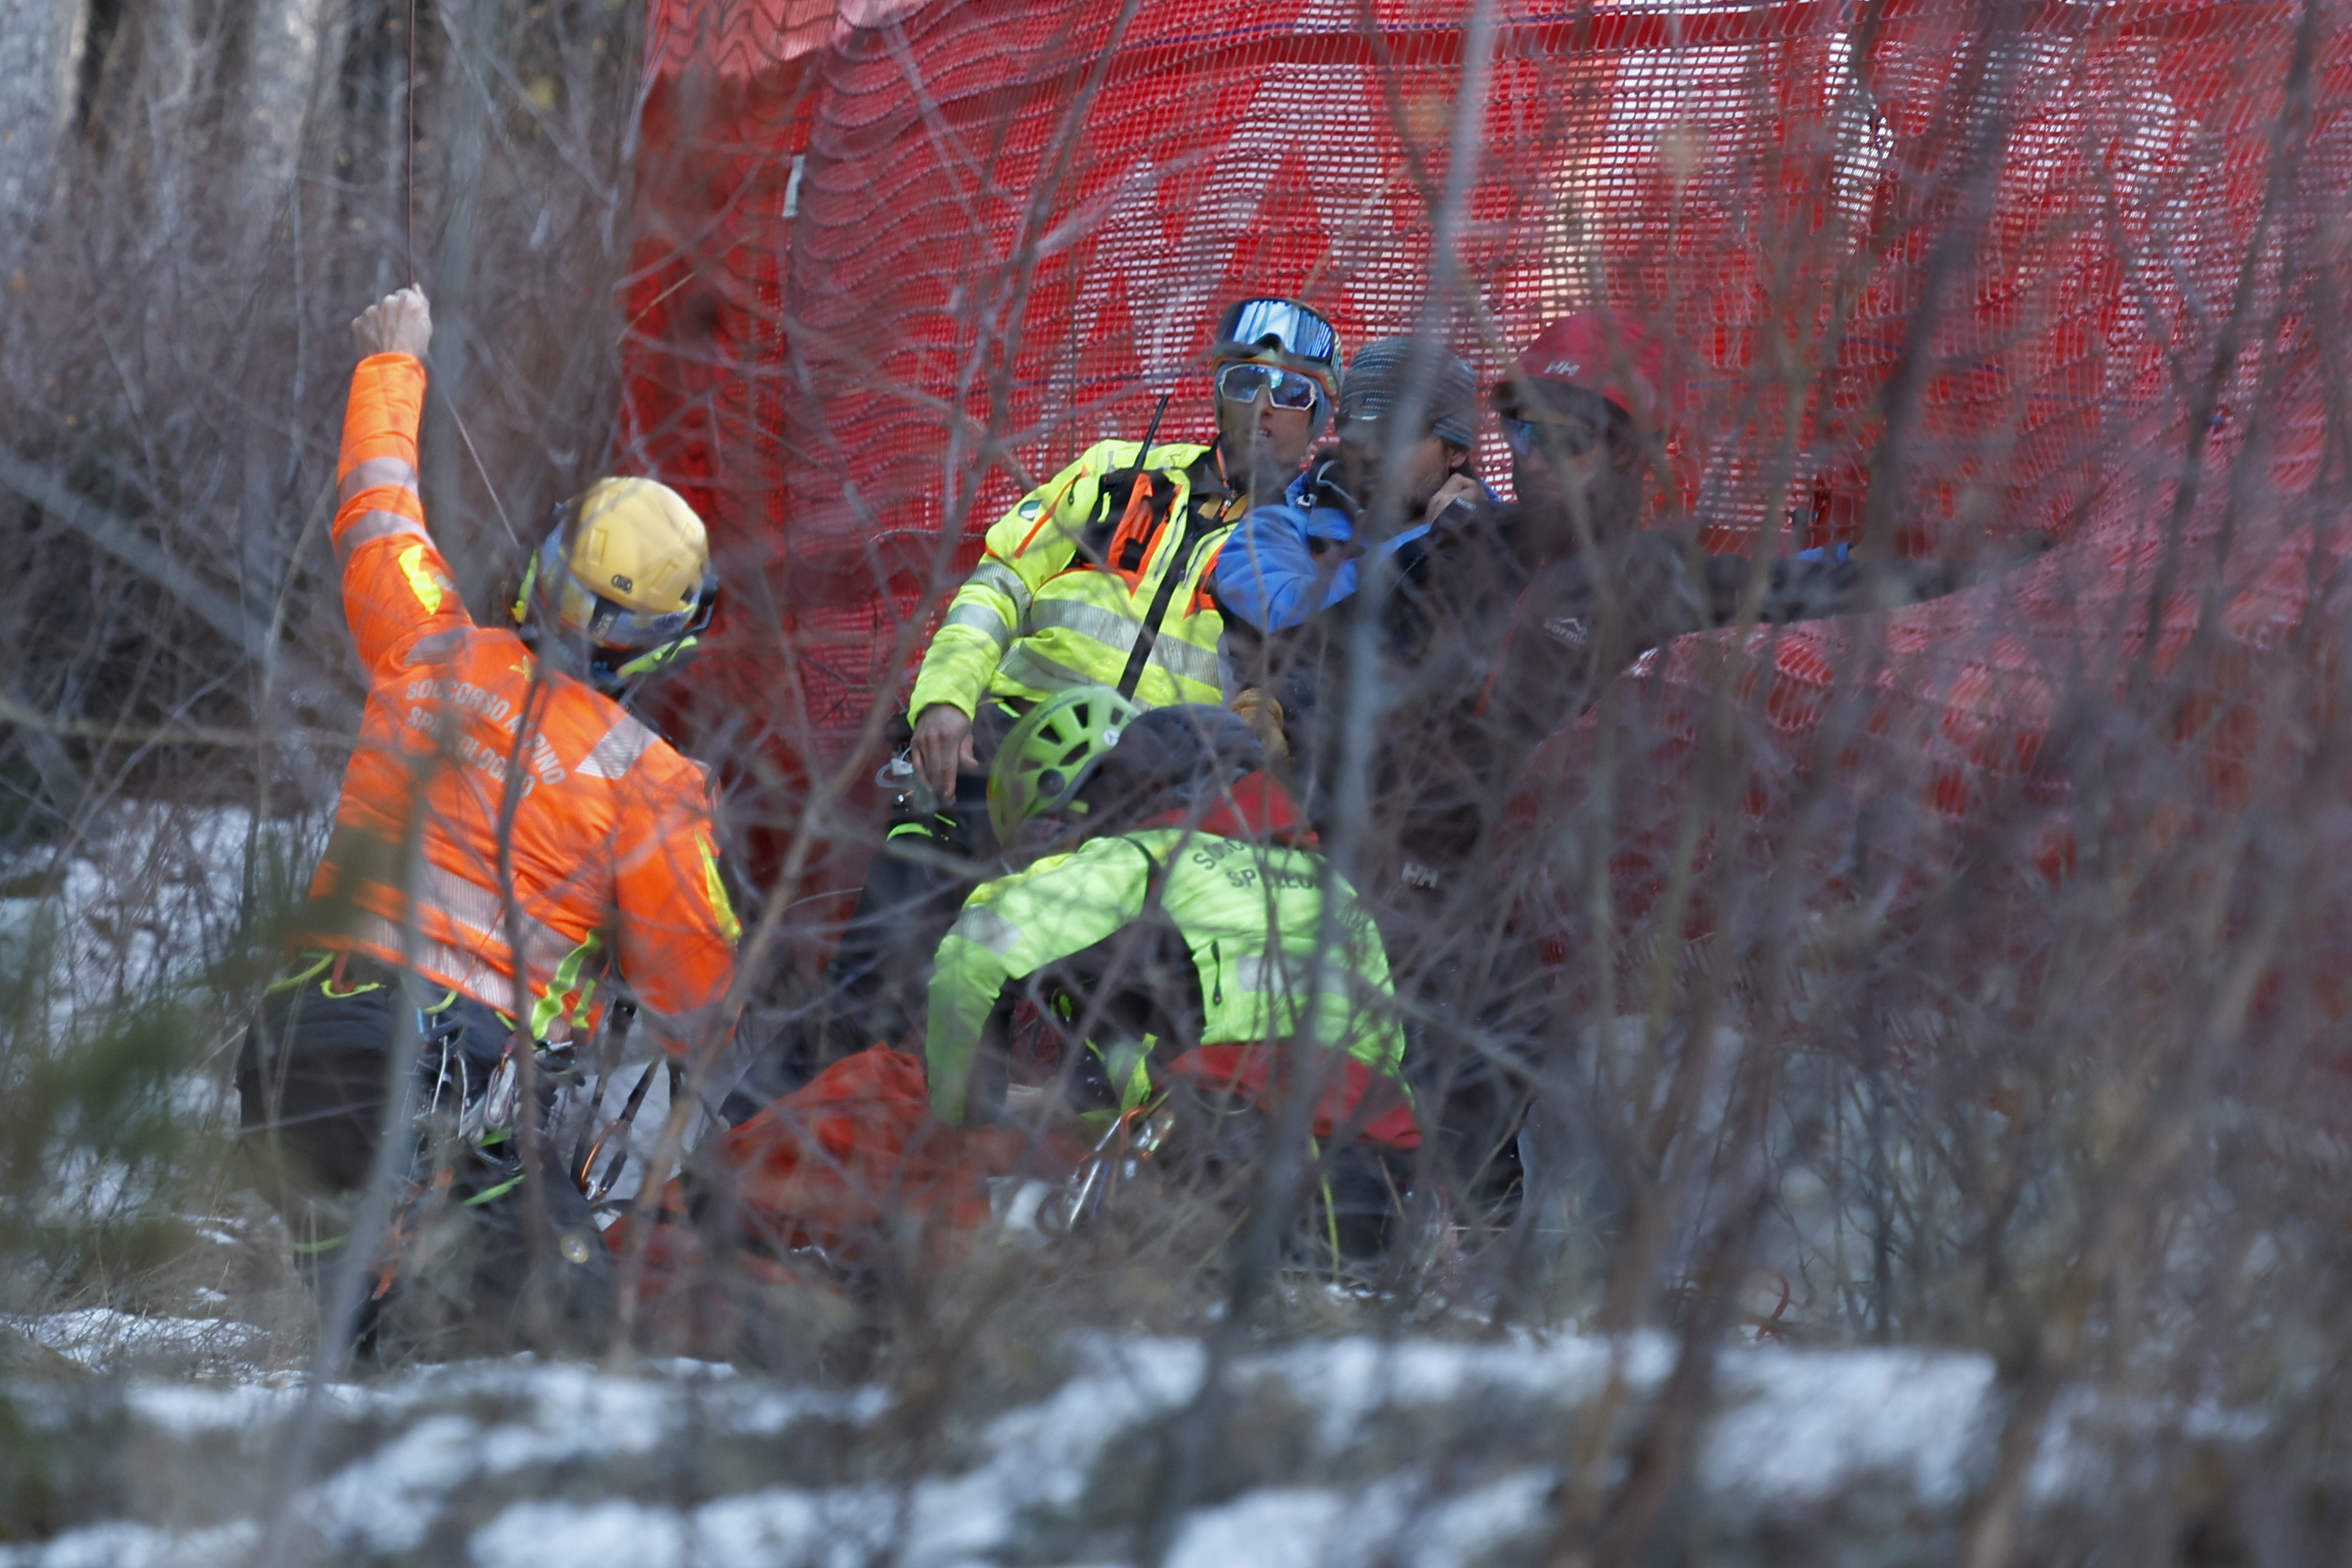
[{"x": 1797, "y": 590}]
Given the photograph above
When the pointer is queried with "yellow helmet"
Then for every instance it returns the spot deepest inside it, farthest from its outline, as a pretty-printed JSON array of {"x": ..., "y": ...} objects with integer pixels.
[{"x": 622, "y": 587}]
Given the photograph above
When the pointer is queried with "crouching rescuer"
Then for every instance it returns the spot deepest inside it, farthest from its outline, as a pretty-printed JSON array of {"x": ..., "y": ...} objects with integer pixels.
[
  {"x": 1173, "y": 943},
  {"x": 512, "y": 843}
]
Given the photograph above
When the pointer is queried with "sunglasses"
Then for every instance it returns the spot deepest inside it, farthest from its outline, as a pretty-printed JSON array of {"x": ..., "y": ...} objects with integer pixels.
[
  {"x": 1571, "y": 437},
  {"x": 1288, "y": 388}
]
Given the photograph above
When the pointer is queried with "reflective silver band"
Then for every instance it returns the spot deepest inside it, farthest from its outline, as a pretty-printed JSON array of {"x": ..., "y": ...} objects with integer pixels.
[
  {"x": 354, "y": 851},
  {"x": 986, "y": 928},
  {"x": 469, "y": 973},
  {"x": 439, "y": 961},
  {"x": 1004, "y": 580},
  {"x": 986, "y": 619},
  {"x": 1114, "y": 631},
  {"x": 374, "y": 472},
  {"x": 371, "y": 526},
  {"x": 1252, "y": 971},
  {"x": 435, "y": 648},
  {"x": 617, "y": 753},
  {"x": 1032, "y": 670},
  {"x": 1185, "y": 660},
  {"x": 1117, "y": 633}
]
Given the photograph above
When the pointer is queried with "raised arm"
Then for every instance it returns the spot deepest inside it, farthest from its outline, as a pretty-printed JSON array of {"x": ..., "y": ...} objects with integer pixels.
[{"x": 396, "y": 586}]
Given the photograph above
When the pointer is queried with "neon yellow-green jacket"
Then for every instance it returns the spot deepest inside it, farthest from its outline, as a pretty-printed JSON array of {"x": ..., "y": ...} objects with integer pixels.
[
  {"x": 1249, "y": 914},
  {"x": 1035, "y": 617}
]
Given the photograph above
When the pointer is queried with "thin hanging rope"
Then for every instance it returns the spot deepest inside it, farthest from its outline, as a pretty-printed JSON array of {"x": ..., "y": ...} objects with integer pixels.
[
  {"x": 408, "y": 151},
  {"x": 483, "y": 469}
]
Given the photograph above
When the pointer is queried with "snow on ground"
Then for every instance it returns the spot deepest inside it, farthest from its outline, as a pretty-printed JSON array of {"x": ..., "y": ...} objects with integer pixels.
[
  {"x": 1351, "y": 1450},
  {"x": 139, "y": 902},
  {"x": 1431, "y": 1452},
  {"x": 101, "y": 1337}
]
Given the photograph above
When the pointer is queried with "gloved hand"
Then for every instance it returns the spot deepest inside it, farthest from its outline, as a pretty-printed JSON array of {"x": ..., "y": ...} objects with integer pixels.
[
  {"x": 1258, "y": 707},
  {"x": 1325, "y": 486}
]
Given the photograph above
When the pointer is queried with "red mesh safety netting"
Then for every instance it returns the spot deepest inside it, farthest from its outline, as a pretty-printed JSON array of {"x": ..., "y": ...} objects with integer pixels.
[{"x": 1938, "y": 274}]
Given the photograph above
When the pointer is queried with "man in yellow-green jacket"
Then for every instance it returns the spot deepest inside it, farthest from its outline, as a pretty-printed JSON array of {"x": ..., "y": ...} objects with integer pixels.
[{"x": 1099, "y": 576}]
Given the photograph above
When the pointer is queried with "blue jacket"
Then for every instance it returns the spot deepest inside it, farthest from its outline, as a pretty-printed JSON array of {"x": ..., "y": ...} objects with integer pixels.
[
  {"x": 1275, "y": 561},
  {"x": 1270, "y": 568}
]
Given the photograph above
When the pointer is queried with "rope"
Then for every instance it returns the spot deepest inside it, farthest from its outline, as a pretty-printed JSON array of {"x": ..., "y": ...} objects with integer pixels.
[
  {"x": 408, "y": 151},
  {"x": 408, "y": 215},
  {"x": 506, "y": 523}
]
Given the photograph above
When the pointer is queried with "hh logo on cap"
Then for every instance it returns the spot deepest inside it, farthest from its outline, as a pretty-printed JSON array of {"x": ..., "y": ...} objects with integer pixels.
[{"x": 1565, "y": 367}]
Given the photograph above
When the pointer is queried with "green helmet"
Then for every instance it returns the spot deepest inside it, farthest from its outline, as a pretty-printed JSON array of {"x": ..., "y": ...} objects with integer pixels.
[{"x": 1050, "y": 752}]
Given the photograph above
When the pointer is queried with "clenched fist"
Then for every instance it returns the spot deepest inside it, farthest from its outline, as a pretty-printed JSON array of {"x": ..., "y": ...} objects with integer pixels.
[{"x": 399, "y": 323}]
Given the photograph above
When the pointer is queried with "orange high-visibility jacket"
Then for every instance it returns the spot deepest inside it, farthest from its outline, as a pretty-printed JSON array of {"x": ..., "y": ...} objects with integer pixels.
[{"x": 614, "y": 859}]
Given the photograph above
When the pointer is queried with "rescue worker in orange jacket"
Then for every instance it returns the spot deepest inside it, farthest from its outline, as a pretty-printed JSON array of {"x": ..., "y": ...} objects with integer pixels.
[{"x": 511, "y": 838}]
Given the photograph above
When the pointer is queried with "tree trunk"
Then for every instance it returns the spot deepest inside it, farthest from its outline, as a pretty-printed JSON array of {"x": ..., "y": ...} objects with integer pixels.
[{"x": 40, "y": 48}]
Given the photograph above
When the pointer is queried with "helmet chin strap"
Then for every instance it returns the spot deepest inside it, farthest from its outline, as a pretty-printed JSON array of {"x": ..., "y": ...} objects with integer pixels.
[
  {"x": 522, "y": 610},
  {"x": 623, "y": 683},
  {"x": 660, "y": 658}
]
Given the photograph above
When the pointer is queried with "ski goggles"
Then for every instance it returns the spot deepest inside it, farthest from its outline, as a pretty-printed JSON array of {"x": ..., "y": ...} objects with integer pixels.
[
  {"x": 1570, "y": 436},
  {"x": 1281, "y": 325},
  {"x": 1241, "y": 382}
]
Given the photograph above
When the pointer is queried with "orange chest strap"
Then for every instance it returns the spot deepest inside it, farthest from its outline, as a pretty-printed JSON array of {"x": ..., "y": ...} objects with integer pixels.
[
  {"x": 1201, "y": 600},
  {"x": 1154, "y": 531},
  {"x": 1128, "y": 554}
]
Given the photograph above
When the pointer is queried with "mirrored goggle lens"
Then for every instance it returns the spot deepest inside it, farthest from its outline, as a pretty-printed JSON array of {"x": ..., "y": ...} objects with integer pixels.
[
  {"x": 1573, "y": 438},
  {"x": 1295, "y": 329},
  {"x": 1243, "y": 383}
]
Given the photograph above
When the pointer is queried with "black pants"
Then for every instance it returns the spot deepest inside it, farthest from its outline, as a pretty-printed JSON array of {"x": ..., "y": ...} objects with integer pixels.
[
  {"x": 878, "y": 981},
  {"x": 313, "y": 1074}
]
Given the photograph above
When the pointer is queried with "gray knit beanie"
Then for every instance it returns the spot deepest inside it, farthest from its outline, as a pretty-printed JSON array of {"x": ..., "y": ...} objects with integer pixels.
[{"x": 1375, "y": 382}]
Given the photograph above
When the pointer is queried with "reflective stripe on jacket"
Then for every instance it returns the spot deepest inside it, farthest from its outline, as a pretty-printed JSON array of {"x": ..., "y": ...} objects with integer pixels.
[
  {"x": 612, "y": 849},
  {"x": 1249, "y": 914},
  {"x": 1035, "y": 617}
]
